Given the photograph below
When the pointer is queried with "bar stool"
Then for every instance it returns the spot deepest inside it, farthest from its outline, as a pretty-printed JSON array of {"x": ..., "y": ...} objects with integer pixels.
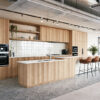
[
  {"x": 99, "y": 64},
  {"x": 87, "y": 62},
  {"x": 96, "y": 60}
]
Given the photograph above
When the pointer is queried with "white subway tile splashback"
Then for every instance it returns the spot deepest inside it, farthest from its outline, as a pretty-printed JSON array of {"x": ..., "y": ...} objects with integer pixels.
[{"x": 29, "y": 48}]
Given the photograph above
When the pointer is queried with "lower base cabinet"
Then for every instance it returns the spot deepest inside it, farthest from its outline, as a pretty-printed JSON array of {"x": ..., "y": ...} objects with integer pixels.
[
  {"x": 30, "y": 75},
  {"x": 11, "y": 70}
]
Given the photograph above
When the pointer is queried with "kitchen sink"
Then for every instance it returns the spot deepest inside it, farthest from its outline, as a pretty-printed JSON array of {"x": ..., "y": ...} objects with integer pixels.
[{"x": 45, "y": 60}]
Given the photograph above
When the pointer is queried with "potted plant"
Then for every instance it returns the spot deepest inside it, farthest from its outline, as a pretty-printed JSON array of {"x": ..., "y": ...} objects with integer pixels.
[
  {"x": 93, "y": 49},
  {"x": 13, "y": 28}
]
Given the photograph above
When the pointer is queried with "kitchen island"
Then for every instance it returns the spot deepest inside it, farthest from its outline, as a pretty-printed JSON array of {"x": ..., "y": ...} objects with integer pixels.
[{"x": 36, "y": 72}]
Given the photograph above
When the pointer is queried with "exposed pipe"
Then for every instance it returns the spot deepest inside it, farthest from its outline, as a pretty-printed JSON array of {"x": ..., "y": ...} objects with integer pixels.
[
  {"x": 98, "y": 1},
  {"x": 73, "y": 12}
]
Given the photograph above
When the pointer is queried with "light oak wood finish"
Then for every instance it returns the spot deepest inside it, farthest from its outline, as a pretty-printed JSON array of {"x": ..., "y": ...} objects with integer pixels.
[
  {"x": 25, "y": 31},
  {"x": 4, "y": 31},
  {"x": 11, "y": 70},
  {"x": 30, "y": 75},
  {"x": 43, "y": 35},
  {"x": 78, "y": 38},
  {"x": 54, "y": 34}
]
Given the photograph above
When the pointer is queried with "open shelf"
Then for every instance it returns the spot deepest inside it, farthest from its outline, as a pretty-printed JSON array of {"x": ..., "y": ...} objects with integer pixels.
[
  {"x": 22, "y": 39},
  {"x": 29, "y": 32},
  {"x": 25, "y": 30}
]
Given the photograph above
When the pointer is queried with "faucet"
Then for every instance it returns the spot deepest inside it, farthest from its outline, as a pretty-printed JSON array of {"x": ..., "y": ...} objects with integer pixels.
[{"x": 50, "y": 56}]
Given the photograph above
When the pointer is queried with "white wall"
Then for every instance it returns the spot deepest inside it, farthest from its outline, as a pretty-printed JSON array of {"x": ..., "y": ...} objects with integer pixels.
[{"x": 93, "y": 40}]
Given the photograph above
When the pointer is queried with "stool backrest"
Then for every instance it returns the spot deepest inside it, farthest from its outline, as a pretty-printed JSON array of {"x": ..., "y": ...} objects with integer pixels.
[
  {"x": 96, "y": 59},
  {"x": 89, "y": 59}
]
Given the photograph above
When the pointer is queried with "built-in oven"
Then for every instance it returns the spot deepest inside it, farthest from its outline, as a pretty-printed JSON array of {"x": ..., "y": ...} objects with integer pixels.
[
  {"x": 4, "y": 59},
  {"x": 4, "y": 47},
  {"x": 75, "y": 50},
  {"x": 4, "y": 55}
]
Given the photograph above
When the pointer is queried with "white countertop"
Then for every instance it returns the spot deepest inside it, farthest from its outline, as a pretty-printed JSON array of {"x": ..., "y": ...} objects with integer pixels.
[
  {"x": 69, "y": 57},
  {"x": 39, "y": 61}
]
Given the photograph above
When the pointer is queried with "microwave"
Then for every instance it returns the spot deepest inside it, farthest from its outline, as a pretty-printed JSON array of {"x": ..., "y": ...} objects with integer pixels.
[{"x": 74, "y": 49}]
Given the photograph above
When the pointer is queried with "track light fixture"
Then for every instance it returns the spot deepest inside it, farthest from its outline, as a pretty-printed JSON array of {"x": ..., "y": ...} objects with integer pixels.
[
  {"x": 48, "y": 19},
  {"x": 41, "y": 19}
]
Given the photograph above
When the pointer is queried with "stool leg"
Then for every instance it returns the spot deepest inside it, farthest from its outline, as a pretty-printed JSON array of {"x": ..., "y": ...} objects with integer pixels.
[
  {"x": 84, "y": 68},
  {"x": 91, "y": 69},
  {"x": 98, "y": 65},
  {"x": 87, "y": 70},
  {"x": 95, "y": 67},
  {"x": 79, "y": 69}
]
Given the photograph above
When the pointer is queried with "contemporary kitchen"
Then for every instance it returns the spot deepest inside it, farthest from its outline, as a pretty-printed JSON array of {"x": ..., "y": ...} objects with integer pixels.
[{"x": 49, "y": 49}]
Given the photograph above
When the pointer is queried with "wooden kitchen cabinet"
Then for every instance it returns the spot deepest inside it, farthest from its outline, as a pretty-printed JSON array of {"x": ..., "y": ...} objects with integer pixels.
[
  {"x": 66, "y": 36},
  {"x": 54, "y": 34},
  {"x": 43, "y": 33},
  {"x": 33, "y": 74},
  {"x": 79, "y": 39},
  {"x": 4, "y": 31}
]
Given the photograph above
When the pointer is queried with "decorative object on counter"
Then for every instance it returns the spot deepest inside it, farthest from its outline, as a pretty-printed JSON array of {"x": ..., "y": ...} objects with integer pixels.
[
  {"x": 93, "y": 49},
  {"x": 13, "y": 28},
  {"x": 10, "y": 53},
  {"x": 22, "y": 37},
  {"x": 35, "y": 38},
  {"x": 29, "y": 37},
  {"x": 65, "y": 51},
  {"x": 13, "y": 54}
]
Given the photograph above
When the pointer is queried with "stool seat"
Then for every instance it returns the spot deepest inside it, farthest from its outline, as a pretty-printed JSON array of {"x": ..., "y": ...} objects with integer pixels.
[
  {"x": 87, "y": 62},
  {"x": 96, "y": 59}
]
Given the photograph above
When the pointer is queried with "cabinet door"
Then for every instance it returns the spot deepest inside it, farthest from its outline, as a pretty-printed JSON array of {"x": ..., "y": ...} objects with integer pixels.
[
  {"x": 4, "y": 31},
  {"x": 54, "y": 35},
  {"x": 80, "y": 39},
  {"x": 49, "y": 34},
  {"x": 66, "y": 36},
  {"x": 61, "y": 33},
  {"x": 43, "y": 33}
]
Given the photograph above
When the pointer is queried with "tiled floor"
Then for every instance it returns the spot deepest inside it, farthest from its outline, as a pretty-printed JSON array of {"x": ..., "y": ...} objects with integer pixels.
[{"x": 11, "y": 90}]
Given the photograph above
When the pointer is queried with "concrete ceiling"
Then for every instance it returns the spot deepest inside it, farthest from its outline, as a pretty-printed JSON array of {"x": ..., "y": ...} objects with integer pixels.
[
  {"x": 43, "y": 9},
  {"x": 84, "y": 5}
]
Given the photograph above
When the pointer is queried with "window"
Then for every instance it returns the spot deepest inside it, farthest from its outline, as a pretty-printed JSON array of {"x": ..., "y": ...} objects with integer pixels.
[{"x": 99, "y": 45}]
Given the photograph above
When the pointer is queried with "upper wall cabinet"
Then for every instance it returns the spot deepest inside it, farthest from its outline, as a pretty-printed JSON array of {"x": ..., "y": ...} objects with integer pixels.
[
  {"x": 43, "y": 33},
  {"x": 53, "y": 34},
  {"x": 4, "y": 31}
]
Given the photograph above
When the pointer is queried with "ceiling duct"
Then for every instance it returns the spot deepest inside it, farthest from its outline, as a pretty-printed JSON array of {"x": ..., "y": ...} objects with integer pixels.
[
  {"x": 6, "y": 3},
  {"x": 12, "y": 0},
  {"x": 96, "y": 6}
]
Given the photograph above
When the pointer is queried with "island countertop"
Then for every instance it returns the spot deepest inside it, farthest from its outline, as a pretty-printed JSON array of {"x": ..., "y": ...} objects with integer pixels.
[{"x": 39, "y": 61}]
